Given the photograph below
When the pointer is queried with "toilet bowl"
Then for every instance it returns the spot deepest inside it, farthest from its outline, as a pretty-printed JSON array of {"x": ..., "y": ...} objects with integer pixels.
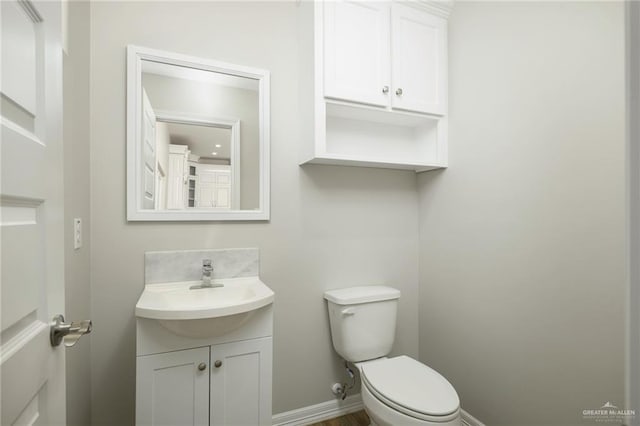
[
  {"x": 395, "y": 391},
  {"x": 403, "y": 391}
]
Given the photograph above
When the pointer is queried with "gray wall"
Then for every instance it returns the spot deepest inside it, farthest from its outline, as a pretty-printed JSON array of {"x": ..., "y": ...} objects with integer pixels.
[
  {"x": 522, "y": 283},
  {"x": 331, "y": 226},
  {"x": 76, "y": 204}
]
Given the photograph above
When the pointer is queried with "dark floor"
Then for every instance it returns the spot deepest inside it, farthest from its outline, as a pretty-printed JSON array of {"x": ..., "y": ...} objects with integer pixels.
[{"x": 359, "y": 418}]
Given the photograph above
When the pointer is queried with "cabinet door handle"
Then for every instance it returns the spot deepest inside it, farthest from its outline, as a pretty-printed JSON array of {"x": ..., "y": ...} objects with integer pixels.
[
  {"x": 399, "y": 91},
  {"x": 385, "y": 89},
  {"x": 218, "y": 364},
  {"x": 202, "y": 366}
]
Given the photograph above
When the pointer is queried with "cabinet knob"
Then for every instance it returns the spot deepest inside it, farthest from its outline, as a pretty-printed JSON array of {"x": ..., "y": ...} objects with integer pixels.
[
  {"x": 385, "y": 89},
  {"x": 218, "y": 364},
  {"x": 399, "y": 91},
  {"x": 202, "y": 366}
]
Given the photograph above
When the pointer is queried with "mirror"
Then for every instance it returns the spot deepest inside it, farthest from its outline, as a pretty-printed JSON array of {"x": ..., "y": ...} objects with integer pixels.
[{"x": 197, "y": 138}]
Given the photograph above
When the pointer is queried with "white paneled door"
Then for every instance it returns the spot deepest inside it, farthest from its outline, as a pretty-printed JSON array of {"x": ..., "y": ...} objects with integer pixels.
[
  {"x": 32, "y": 372},
  {"x": 213, "y": 188}
]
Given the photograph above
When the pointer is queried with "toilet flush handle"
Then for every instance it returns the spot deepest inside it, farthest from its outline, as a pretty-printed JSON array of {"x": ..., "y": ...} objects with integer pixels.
[{"x": 348, "y": 312}]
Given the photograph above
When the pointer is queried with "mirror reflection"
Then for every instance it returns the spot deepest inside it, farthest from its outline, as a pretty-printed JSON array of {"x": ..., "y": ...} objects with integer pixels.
[{"x": 200, "y": 139}]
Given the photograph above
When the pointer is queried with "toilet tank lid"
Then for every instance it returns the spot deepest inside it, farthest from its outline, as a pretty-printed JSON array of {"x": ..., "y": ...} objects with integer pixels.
[{"x": 362, "y": 294}]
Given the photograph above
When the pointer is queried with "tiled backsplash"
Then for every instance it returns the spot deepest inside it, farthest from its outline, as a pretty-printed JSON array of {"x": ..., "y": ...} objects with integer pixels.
[{"x": 186, "y": 265}]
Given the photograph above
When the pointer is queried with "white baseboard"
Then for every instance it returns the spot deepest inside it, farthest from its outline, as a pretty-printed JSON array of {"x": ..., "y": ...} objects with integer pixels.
[
  {"x": 319, "y": 412},
  {"x": 469, "y": 420},
  {"x": 336, "y": 408}
]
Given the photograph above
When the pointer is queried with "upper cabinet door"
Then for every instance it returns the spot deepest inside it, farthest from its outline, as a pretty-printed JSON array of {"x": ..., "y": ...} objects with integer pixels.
[
  {"x": 419, "y": 60},
  {"x": 356, "y": 51}
]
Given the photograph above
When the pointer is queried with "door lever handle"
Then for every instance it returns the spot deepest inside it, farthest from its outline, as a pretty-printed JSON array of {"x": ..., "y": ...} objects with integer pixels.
[{"x": 69, "y": 333}]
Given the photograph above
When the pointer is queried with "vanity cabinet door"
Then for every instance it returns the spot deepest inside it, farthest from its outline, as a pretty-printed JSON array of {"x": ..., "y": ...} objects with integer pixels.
[
  {"x": 241, "y": 383},
  {"x": 356, "y": 51},
  {"x": 173, "y": 388},
  {"x": 418, "y": 58}
]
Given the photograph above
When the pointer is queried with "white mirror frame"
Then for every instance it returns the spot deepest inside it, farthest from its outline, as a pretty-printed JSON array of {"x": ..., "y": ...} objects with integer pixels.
[{"x": 135, "y": 212}]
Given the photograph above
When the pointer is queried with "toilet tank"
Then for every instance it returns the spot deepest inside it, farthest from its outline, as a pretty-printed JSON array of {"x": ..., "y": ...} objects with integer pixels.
[{"x": 363, "y": 321}]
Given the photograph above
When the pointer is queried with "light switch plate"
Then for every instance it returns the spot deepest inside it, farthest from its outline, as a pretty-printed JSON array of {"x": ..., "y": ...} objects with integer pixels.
[{"x": 77, "y": 233}]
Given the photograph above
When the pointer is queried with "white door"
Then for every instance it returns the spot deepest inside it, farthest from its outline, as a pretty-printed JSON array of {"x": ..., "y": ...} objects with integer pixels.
[
  {"x": 419, "y": 60},
  {"x": 148, "y": 153},
  {"x": 213, "y": 188},
  {"x": 241, "y": 383},
  {"x": 205, "y": 188},
  {"x": 32, "y": 372},
  {"x": 356, "y": 51},
  {"x": 223, "y": 197},
  {"x": 223, "y": 189},
  {"x": 173, "y": 388},
  {"x": 161, "y": 188},
  {"x": 176, "y": 181}
]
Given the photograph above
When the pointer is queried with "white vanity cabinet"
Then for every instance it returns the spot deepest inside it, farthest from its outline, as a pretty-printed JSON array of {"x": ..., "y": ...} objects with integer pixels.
[
  {"x": 218, "y": 385},
  {"x": 374, "y": 83},
  {"x": 220, "y": 380}
]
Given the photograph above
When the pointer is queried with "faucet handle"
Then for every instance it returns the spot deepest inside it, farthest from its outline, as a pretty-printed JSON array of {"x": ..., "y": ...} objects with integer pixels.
[{"x": 206, "y": 262}]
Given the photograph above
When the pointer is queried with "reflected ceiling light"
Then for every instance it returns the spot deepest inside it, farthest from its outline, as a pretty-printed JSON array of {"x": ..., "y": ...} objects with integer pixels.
[
  {"x": 218, "y": 145},
  {"x": 214, "y": 153}
]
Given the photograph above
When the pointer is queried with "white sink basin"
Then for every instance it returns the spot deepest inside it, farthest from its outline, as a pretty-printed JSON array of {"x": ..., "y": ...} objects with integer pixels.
[{"x": 203, "y": 312}]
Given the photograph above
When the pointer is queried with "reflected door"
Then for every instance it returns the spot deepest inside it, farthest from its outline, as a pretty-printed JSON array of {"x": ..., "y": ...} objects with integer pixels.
[
  {"x": 177, "y": 181},
  {"x": 214, "y": 188},
  {"x": 223, "y": 189},
  {"x": 206, "y": 188},
  {"x": 148, "y": 154}
]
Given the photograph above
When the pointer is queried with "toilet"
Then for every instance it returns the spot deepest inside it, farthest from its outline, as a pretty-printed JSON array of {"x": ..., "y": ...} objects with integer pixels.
[{"x": 395, "y": 391}]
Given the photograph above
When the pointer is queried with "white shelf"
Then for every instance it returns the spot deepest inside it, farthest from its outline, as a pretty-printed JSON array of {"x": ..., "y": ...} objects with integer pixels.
[
  {"x": 383, "y": 115},
  {"x": 359, "y": 161},
  {"x": 376, "y": 137}
]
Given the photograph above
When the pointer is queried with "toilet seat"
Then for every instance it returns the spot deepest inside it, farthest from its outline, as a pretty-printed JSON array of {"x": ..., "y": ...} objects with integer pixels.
[{"x": 411, "y": 388}]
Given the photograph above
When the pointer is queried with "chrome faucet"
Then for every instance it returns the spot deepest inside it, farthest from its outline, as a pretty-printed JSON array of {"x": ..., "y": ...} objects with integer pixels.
[{"x": 207, "y": 272}]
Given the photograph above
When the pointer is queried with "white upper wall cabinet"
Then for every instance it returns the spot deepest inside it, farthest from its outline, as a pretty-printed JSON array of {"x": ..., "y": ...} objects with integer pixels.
[
  {"x": 373, "y": 83},
  {"x": 418, "y": 60},
  {"x": 356, "y": 51},
  {"x": 385, "y": 54}
]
